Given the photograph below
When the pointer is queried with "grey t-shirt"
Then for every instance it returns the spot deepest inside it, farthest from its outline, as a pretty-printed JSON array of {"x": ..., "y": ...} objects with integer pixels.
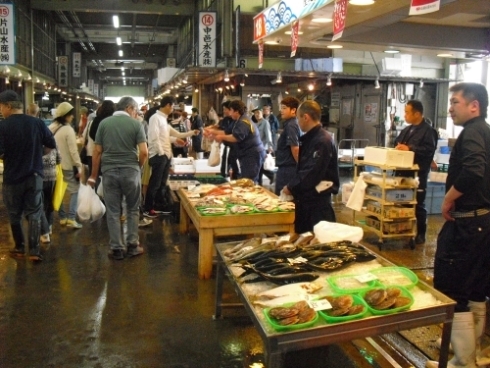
[{"x": 119, "y": 136}]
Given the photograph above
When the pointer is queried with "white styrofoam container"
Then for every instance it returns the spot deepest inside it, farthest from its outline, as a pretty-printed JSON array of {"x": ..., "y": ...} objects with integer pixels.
[
  {"x": 388, "y": 156},
  {"x": 201, "y": 166}
]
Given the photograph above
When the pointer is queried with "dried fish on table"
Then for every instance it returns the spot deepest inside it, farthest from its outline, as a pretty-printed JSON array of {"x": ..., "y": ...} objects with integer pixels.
[
  {"x": 286, "y": 206},
  {"x": 241, "y": 209},
  {"x": 213, "y": 210}
]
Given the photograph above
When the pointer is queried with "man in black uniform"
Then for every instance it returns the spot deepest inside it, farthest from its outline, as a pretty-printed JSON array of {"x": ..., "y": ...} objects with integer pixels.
[
  {"x": 420, "y": 138},
  {"x": 462, "y": 259},
  {"x": 23, "y": 142},
  {"x": 317, "y": 165}
]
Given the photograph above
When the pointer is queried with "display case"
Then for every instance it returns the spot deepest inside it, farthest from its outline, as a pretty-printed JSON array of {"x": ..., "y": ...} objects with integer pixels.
[
  {"x": 389, "y": 201},
  {"x": 321, "y": 331}
]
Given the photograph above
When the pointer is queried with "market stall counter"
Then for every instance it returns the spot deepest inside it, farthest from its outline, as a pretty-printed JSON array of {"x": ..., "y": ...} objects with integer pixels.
[
  {"x": 231, "y": 212},
  {"x": 417, "y": 304}
]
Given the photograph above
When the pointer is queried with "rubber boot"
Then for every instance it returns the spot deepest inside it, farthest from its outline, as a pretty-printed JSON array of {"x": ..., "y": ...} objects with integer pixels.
[
  {"x": 463, "y": 341},
  {"x": 421, "y": 230},
  {"x": 479, "y": 310},
  {"x": 18, "y": 235},
  {"x": 34, "y": 232}
]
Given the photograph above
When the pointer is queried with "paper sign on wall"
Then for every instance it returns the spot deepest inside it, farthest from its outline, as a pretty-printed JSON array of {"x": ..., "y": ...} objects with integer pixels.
[{"x": 418, "y": 7}]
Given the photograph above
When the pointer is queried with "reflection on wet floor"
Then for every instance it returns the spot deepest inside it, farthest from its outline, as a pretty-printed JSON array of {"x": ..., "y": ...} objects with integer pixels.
[{"x": 81, "y": 309}]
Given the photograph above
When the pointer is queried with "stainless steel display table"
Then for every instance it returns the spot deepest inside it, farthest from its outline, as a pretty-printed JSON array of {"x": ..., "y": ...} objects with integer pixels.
[
  {"x": 321, "y": 334},
  {"x": 210, "y": 227}
]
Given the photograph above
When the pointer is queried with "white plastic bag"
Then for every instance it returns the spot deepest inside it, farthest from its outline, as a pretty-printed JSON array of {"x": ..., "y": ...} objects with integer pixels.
[
  {"x": 97, "y": 208},
  {"x": 215, "y": 154},
  {"x": 327, "y": 232},
  {"x": 356, "y": 199},
  {"x": 100, "y": 189},
  {"x": 269, "y": 163},
  {"x": 84, "y": 210}
]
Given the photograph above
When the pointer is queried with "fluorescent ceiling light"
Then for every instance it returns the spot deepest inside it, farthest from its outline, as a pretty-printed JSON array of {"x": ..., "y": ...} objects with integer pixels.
[
  {"x": 289, "y": 32},
  {"x": 115, "y": 20},
  {"x": 118, "y": 41},
  {"x": 445, "y": 54},
  {"x": 376, "y": 83},
  {"x": 120, "y": 52},
  {"x": 329, "y": 81},
  {"x": 271, "y": 42},
  {"x": 227, "y": 76},
  {"x": 361, "y": 2},
  {"x": 321, "y": 20},
  {"x": 335, "y": 46},
  {"x": 392, "y": 51}
]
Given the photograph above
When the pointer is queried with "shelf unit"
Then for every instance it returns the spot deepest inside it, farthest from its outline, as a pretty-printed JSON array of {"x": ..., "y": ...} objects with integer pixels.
[{"x": 390, "y": 213}]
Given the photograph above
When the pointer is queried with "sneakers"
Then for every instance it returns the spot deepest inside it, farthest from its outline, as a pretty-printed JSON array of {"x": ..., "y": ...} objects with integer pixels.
[
  {"x": 134, "y": 250},
  {"x": 73, "y": 224},
  {"x": 63, "y": 222},
  {"x": 150, "y": 214},
  {"x": 45, "y": 238},
  {"x": 116, "y": 254},
  {"x": 145, "y": 222}
]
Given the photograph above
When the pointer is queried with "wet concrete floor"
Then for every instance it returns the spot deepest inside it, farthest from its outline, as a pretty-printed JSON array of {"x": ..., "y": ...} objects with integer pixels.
[{"x": 78, "y": 308}]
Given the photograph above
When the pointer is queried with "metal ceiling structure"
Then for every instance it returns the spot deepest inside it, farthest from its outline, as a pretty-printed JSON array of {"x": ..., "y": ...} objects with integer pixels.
[{"x": 148, "y": 28}]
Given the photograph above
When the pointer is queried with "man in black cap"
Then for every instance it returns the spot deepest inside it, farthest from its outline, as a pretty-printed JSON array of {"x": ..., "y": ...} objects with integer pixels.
[{"x": 23, "y": 142}]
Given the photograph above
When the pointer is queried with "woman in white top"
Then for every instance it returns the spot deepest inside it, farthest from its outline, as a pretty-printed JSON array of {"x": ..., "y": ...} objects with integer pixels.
[{"x": 66, "y": 140}]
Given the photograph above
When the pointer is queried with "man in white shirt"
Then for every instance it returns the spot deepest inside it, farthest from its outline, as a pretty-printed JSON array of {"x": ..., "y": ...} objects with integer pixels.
[{"x": 160, "y": 138}]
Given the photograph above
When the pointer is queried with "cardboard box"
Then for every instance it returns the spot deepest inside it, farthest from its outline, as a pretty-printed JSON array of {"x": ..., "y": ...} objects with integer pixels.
[
  {"x": 397, "y": 227},
  {"x": 389, "y": 157},
  {"x": 394, "y": 212}
]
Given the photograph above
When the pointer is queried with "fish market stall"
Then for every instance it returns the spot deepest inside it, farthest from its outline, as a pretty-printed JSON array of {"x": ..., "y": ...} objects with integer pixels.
[
  {"x": 226, "y": 210},
  {"x": 303, "y": 295}
]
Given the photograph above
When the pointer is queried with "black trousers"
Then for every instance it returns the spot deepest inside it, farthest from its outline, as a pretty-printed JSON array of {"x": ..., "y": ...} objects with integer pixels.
[
  {"x": 160, "y": 168},
  {"x": 462, "y": 260},
  {"x": 309, "y": 213}
]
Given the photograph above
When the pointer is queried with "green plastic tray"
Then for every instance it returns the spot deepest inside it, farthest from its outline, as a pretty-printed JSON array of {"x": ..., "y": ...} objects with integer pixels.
[
  {"x": 242, "y": 213},
  {"x": 348, "y": 284},
  {"x": 357, "y": 301},
  {"x": 279, "y": 327},
  {"x": 395, "y": 276},
  {"x": 379, "y": 312}
]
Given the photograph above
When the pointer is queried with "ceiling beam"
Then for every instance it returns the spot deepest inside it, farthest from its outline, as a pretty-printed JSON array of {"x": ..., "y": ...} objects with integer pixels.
[{"x": 185, "y": 8}]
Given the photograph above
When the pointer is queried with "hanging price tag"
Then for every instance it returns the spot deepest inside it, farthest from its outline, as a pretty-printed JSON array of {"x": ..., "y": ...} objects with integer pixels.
[{"x": 366, "y": 277}]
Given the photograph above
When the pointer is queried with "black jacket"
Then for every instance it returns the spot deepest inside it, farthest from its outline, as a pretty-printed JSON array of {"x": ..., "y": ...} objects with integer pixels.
[
  {"x": 317, "y": 162},
  {"x": 422, "y": 140}
]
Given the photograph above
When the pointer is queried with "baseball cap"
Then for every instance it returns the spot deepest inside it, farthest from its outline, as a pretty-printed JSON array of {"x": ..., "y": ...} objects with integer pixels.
[{"x": 9, "y": 96}]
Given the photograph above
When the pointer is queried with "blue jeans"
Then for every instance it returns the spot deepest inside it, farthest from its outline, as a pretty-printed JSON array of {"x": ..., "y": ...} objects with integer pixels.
[
  {"x": 72, "y": 209},
  {"x": 47, "y": 214},
  {"x": 25, "y": 198},
  {"x": 124, "y": 182}
]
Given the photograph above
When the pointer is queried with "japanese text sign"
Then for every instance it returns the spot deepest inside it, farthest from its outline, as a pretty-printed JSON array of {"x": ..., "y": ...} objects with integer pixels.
[
  {"x": 207, "y": 39},
  {"x": 7, "y": 34}
]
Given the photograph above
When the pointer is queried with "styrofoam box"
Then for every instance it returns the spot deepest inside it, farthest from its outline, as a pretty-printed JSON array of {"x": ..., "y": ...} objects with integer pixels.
[
  {"x": 391, "y": 195},
  {"x": 201, "y": 166},
  {"x": 437, "y": 177},
  {"x": 388, "y": 156}
]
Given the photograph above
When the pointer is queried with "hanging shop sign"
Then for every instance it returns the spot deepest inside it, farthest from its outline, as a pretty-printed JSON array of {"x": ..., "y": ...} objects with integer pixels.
[
  {"x": 96, "y": 89},
  {"x": 339, "y": 16},
  {"x": 294, "y": 37},
  {"x": 283, "y": 14},
  {"x": 207, "y": 39},
  {"x": 7, "y": 34},
  {"x": 418, "y": 7},
  {"x": 63, "y": 71},
  {"x": 77, "y": 64},
  {"x": 261, "y": 54},
  {"x": 90, "y": 85}
]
